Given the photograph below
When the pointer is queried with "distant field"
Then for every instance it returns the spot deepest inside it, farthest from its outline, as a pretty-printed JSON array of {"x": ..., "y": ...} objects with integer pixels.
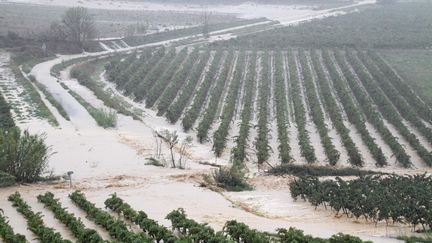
[
  {"x": 401, "y": 25},
  {"x": 416, "y": 67},
  {"x": 109, "y": 22}
]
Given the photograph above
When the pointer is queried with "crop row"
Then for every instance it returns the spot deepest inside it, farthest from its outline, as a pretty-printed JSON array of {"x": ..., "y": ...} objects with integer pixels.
[
  {"x": 116, "y": 227},
  {"x": 307, "y": 150},
  {"x": 83, "y": 234},
  {"x": 316, "y": 111},
  {"x": 354, "y": 155},
  {"x": 220, "y": 135},
  {"x": 280, "y": 94},
  {"x": 261, "y": 143},
  {"x": 35, "y": 222},
  {"x": 212, "y": 107},
  {"x": 386, "y": 107},
  {"x": 353, "y": 112},
  {"x": 239, "y": 151},
  {"x": 371, "y": 113},
  {"x": 201, "y": 94}
]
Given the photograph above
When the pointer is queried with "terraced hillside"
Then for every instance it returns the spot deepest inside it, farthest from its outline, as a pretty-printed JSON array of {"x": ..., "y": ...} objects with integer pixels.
[{"x": 340, "y": 107}]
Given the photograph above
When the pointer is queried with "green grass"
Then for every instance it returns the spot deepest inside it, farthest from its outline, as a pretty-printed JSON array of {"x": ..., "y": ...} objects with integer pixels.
[
  {"x": 50, "y": 98},
  {"x": 415, "y": 66},
  {"x": 104, "y": 118},
  {"x": 87, "y": 74}
]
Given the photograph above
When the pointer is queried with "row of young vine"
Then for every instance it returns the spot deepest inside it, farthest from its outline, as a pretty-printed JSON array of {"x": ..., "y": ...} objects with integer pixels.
[
  {"x": 377, "y": 91},
  {"x": 239, "y": 151},
  {"x": 35, "y": 222},
  {"x": 307, "y": 150},
  {"x": 316, "y": 112},
  {"x": 354, "y": 155},
  {"x": 178, "y": 80},
  {"x": 75, "y": 225},
  {"x": 280, "y": 93},
  {"x": 183, "y": 229},
  {"x": 175, "y": 110},
  {"x": 220, "y": 135},
  {"x": 193, "y": 112},
  {"x": 116, "y": 227},
  {"x": 353, "y": 113},
  {"x": 371, "y": 113},
  {"x": 212, "y": 107},
  {"x": 404, "y": 89},
  {"x": 404, "y": 108},
  {"x": 140, "y": 218},
  {"x": 164, "y": 78},
  {"x": 261, "y": 143},
  {"x": 386, "y": 107},
  {"x": 7, "y": 233},
  {"x": 144, "y": 85},
  {"x": 142, "y": 71}
]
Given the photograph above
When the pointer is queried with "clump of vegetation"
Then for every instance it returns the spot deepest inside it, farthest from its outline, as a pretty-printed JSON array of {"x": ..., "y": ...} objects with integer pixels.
[
  {"x": 83, "y": 74},
  {"x": 154, "y": 162},
  {"x": 6, "y": 120},
  {"x": 23, "y": 155},
  {"x": 311, "y": 170},
  {"x": 230, "y": 178},
  {"x": 6, "y": 179},
  {"x": 416, "y": 239},
  {"x": 50, "y": 98},
  {"x": 105, "y": 118}
]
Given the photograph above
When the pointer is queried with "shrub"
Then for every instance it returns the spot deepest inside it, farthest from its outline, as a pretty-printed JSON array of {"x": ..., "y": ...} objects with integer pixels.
[
  {"x": 105, "y": 118},
  {"x": 6, "y": 179},
  {"x": 231, "y": 179},
  {"x": 23, "y": 155}
]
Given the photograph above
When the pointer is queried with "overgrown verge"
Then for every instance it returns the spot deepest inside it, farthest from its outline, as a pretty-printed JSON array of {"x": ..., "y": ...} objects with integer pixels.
[
  {"x": 104, "y": 118},
  {"x": 83, "y": 74},
  {"x": 50, "y": 98}
]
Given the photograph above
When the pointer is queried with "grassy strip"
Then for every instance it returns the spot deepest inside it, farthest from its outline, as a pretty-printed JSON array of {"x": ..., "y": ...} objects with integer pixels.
[
  {"x": 56, "y": 69},
  {"x": 83, "y": 74},
  {"x": 102, "y": 117},
  {"x": 50, "y": 98},
  {"x": 308, "y": 170}
]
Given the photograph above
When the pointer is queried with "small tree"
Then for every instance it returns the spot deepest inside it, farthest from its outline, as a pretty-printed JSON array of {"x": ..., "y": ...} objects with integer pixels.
[
  {"x": 79, "y": 25},
  {"x": 206, "y": 27},
  {"x": 171, "y": 138}
]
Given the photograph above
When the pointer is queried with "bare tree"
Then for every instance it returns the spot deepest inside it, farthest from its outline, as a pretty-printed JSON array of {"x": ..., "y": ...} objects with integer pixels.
[
  {"x": 79, "y": 24},
  {"x": 171, "y": 138},
  {"x": 206, "y": 20}
]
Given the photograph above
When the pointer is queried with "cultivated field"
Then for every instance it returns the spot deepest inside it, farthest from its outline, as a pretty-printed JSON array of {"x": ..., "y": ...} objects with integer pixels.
[
  {"x": 341, "y": 107},
  {"x": 313, "y": 116}
]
